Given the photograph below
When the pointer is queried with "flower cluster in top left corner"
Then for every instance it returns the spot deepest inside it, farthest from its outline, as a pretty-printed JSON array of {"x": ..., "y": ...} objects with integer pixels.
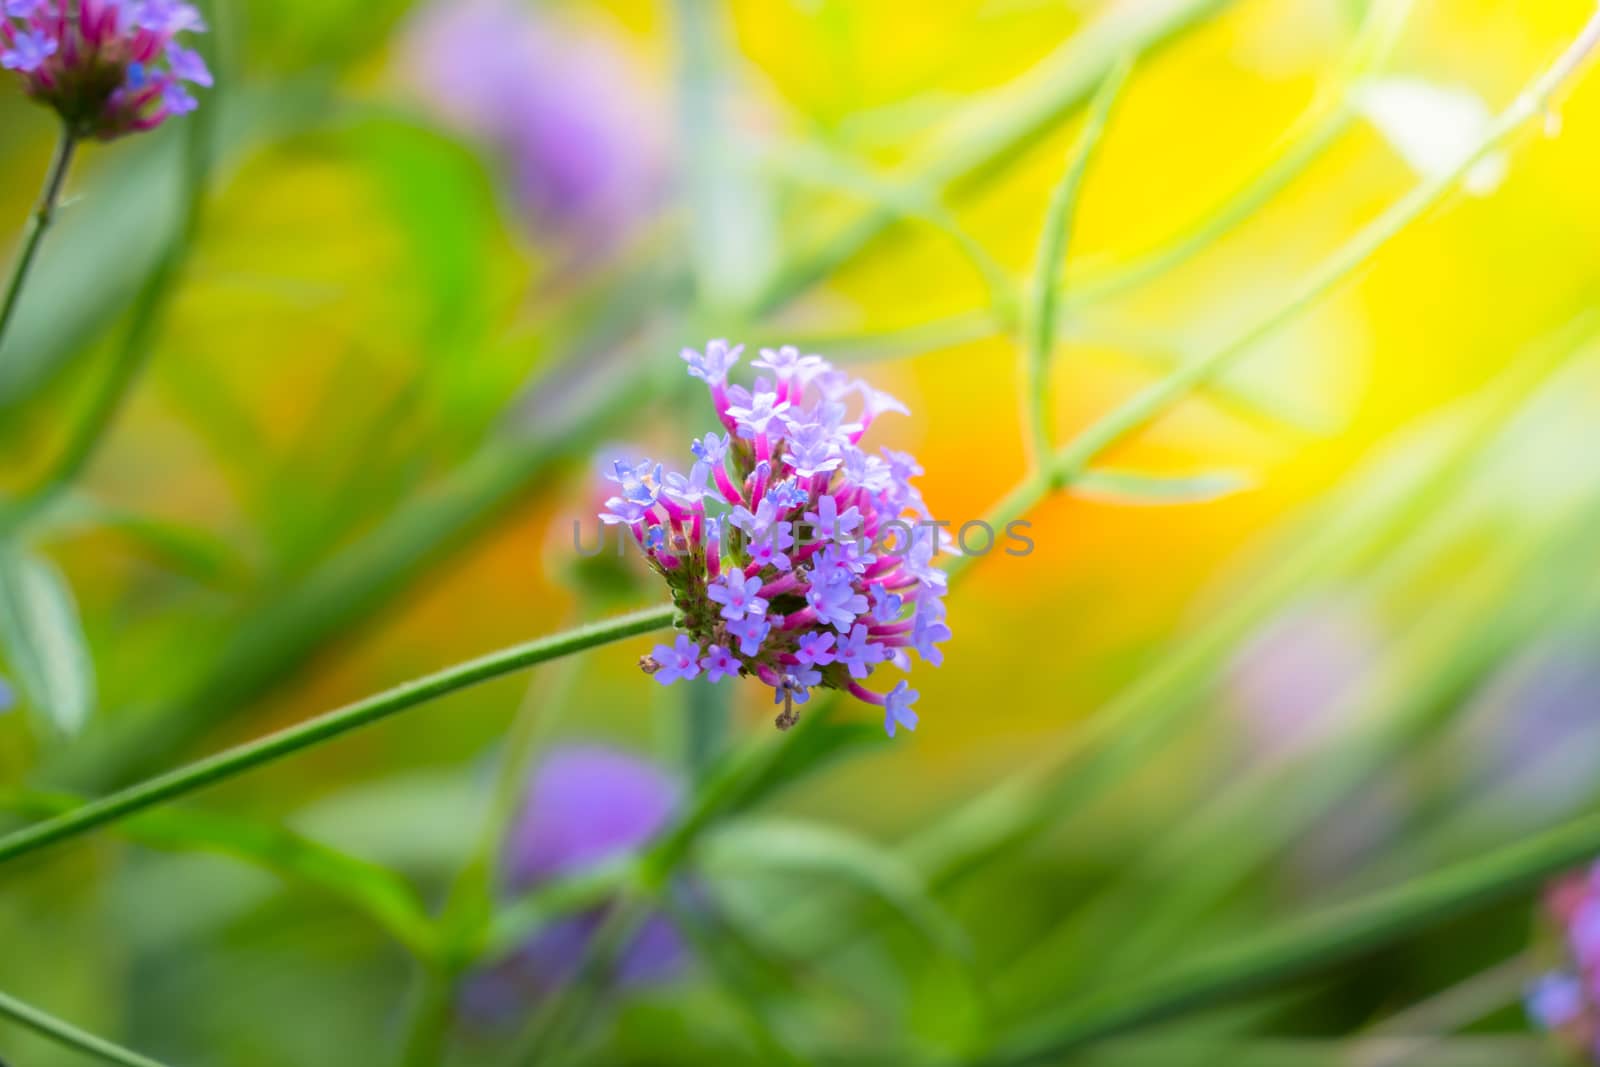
[{"x": 107, "y": 67}]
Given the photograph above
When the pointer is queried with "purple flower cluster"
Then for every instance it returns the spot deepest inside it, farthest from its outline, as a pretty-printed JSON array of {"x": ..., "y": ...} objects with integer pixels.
[
  {"x": 1566, "y": 1002},
  {"x": 108, "y": 67},
  {"x": 793, "y": 554}
]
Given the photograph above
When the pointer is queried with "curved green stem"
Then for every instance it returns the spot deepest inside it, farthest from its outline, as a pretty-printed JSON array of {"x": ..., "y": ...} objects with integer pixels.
[
  {"x": 251, "y": 754},
  {"x": 38, "y": 223},
  {"x": 65, "y": 1033},
  {"x": 1040, "y": 329}
]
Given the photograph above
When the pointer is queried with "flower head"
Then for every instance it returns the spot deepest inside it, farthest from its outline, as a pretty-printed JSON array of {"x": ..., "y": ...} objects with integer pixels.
[
  {"x": 107, "y": 67},
  {"x": 1566, "y": 1001},
  {"x": 796, "y": 568}
]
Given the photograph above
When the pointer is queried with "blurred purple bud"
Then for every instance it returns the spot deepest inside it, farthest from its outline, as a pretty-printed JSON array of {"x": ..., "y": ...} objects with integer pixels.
[
  {"x": 584, "y": 805},
  {"x": 1289, "y": 681},
  {"x": 564, "y": 108}
]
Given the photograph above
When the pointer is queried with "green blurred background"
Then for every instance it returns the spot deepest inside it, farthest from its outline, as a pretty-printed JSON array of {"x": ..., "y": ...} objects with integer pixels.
[{"x": 364, "y": 430}]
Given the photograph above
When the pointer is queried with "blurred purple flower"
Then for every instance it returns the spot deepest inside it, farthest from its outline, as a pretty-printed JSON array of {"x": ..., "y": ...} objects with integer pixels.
[
  {"x": 8, "y": 696},
  {"x": 1532, "y": 735},
  {"x": 565, "y": 110},
  {"x": 1290, "y": 679},
  {"x": 584, "y": 805}
]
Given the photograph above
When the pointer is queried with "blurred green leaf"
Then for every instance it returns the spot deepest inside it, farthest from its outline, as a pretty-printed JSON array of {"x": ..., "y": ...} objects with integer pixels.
[
  {"x": 1127, "y": 487},
  {"x": 734, "y": 246},
  {"x": 771, "y": 844},
  {"x": 43, "y": 640},
  {"x": 380, "y": 894},
  {"x": 819, "y": 744},
  {"x": 192, "y": 552},
  {"x": 116, "y": 225},
  {"x": 749, "y": 982}
]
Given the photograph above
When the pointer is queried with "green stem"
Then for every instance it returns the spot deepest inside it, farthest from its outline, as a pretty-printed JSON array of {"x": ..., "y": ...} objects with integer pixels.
[
  {"x": 153, "y": 300},
  {"x": 1313, "y": 945},
  {"x": 1041, "y": 330},
  {"x": 429, "y": 1026},
  {"x": 65, "y": 1033},
  {"x": 324, "y": 727},
  {"x": 1071, "y": 462},
  {"x": 1001, "y": 126},
  {"x": 38, "y": 223}
]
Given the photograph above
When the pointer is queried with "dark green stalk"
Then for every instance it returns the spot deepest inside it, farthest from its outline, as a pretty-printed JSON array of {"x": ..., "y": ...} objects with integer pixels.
[
  {"x": 38, "y": 223},
  {"x": 112, "y": 390},
  {"x": 252, "y": 754}
]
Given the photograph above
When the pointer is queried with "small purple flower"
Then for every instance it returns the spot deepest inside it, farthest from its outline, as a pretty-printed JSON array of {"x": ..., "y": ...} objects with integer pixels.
[
  {"x": 902, "y": 467},
  {"x": 1555, "y": 1001},
  {"x": 754, "y": 412},
  {"x": 867, "y": 471},
  {"x": 782, "y": 362},
  {"x": 926, "y": 632},
  {"x": 796, "y": 686},
  {"x": 840, "y": 563},
  {"x": 712, "y": 449},
  {"x": 886, "y": 606},
  {"x": 879, "y": 403},
  {"x": 686, "y": 490},
  {"x": 738, "y": 595},
  {"x": 8, "y": 696},
  {"x": 751, "y": 631},
  {"x": 828, "y": 523},
  {"x": 788, "y": 494},
  {"x": 188, "y": 65},
  {"x": 713, "y": 365},
  {"x": 29, "y": 50},
  {"x": 755, "y": 524},
  {"x": 815, "y": 649},
  {"x": 178, "y": 100},
  {"x": 166, "y": 16},
  {"x": 620, "y": 512},
  {"x": 641, "y": 483},
  {"x": 768, "y": 551},
  {"x": 681, "y": 659},
  {"x": 858, "y": 654},
  {"x": 812, "y": 452},
  {"x": 897, "y": 708},
  {"x": 719, "y": 664},
  {"x": 836, "y": 603}
]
